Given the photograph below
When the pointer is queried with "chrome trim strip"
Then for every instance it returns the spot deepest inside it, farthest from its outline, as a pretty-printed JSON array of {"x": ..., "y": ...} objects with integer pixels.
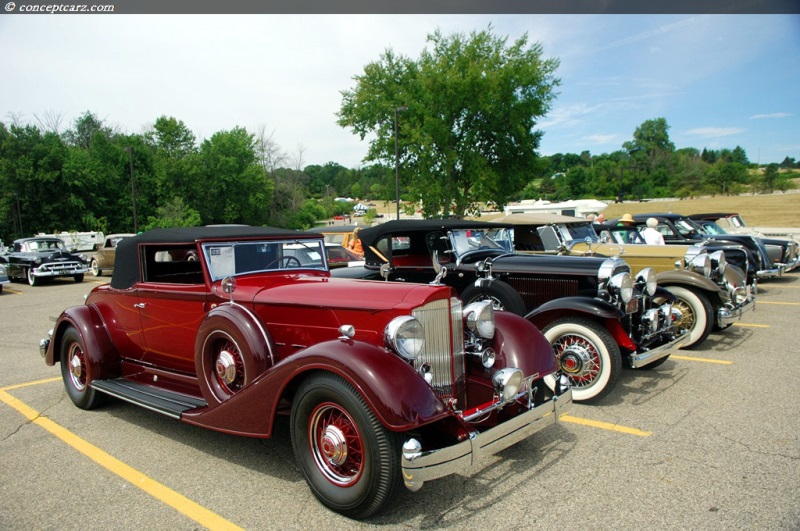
[
  {"x": 641, "y": 359},
  {"x": 727, "y": 315}
]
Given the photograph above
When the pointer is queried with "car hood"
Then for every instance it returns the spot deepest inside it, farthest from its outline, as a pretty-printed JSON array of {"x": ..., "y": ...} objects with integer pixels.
[
  {"x": 327, "y": 292},
  {"x": 544, "y": 264}
]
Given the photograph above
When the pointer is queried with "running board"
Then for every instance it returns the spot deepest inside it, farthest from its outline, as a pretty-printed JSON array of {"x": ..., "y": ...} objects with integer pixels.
[{"x": 159, "y": 400}]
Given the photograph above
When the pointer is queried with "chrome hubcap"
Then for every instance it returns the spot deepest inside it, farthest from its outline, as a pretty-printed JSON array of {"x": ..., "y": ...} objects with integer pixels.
[
  {"x": 334, "y": 446},
  {"x": 226, "y": 367}
]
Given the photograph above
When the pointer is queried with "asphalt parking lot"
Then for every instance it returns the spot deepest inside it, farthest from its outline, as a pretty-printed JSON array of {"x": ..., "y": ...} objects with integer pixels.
[{"x": 709, "y": 440}]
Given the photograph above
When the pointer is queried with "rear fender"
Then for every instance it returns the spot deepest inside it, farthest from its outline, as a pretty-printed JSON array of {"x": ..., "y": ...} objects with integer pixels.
[
  {"x": 101, "y": 356},
  {"x": 399, "y": 397}
]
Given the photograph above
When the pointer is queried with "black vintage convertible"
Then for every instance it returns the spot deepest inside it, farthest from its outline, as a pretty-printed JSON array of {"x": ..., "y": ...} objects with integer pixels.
[{"x": 594, "y": 312}]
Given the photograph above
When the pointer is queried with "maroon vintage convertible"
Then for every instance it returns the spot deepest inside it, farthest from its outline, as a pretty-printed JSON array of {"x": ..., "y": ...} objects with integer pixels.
[{"x": 384, "y": 383}]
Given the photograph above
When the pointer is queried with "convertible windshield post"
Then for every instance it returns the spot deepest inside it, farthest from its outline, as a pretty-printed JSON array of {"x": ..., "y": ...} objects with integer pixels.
[{"x": 229, "y": 259}]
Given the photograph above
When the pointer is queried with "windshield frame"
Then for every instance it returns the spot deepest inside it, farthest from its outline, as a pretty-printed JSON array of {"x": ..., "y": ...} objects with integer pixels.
[{"x": 238, "y": 258}]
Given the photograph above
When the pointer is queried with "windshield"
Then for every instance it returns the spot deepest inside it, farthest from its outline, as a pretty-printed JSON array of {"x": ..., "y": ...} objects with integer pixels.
[
  {"x": 43, "y": 245},
  {"x": 685, "y": 227},
  {"x": 466, "y": 240},
  {"x": 624, "y": 236},
  {"x": 709, "y": 227},
  {"x": 242, "y": 258},
  {"x": 578, "y": 232}
]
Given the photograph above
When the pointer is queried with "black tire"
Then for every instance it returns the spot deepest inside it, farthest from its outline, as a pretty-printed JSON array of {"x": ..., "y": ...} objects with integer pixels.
[
  {"x": 503, "y": 297},
  {"x": 698, "y": 314},
  {"x": 32, "y": 279},
  {"x": 75, "y": 372},
  {"x": 94, "y": 267},
  {"x": 78, "y": 277},
  {"x": 352, "y": 464},
  {"x": 587, "y": 353}
]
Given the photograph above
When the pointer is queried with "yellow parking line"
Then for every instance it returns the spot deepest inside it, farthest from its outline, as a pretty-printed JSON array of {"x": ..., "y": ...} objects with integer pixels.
[
  {"x": 705, "y": 360},
  {"x": 779, "y": 303},
  {"x": 26, "y": 384},
  {"x": 180, "y": 503},
  {"x": 751, "y": 325},
  {"x": 605, "y": 426}
]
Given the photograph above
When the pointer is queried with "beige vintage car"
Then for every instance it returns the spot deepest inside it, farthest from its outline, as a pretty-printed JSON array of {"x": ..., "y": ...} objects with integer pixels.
[
  {"x": 711, "y": 293},
  {"x": 103, "y": 258}
]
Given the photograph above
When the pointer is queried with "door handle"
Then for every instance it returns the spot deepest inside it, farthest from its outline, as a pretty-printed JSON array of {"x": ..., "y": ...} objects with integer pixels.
[{"x": 139, "y": 305}]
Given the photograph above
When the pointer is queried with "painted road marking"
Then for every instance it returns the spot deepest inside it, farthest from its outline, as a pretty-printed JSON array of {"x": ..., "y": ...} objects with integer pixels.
[
  {"x": 704, "y": 360},
  {"x": 751, "y": 325},
  {"x": 605, "y": 426},
  {"x": 180, "y": 503},
  {"x": 780, "y": 303}
]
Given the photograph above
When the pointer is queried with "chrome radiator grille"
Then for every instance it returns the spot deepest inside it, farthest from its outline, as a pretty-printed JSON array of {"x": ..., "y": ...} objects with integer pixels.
[{"x": 444, "y": 345}]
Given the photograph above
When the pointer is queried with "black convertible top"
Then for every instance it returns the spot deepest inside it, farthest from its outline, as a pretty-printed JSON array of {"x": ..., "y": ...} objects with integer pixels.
[
  {"x": 373, "y": 234},
  {"x": 126, "y": 261}
]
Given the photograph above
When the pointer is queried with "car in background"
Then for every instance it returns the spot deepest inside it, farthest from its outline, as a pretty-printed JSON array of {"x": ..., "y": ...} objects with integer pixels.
[
  {"x": 341, "y": 234},
  {"x": 784, "y": 253},
  {"x": 733, "y": 223},
  {"x": 594, "y": 311},
  {"x": 678, "y": 229},
  {"x": 3, "y": 276},
  {"x": 711, "y": 294},
  {"x": 103, "y": 257},
  {"x": 38, "y": 259},
  {"x": 383, "y": 384}
]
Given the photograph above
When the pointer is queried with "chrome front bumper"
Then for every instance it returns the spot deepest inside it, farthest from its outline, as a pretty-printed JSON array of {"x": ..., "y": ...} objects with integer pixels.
[
  {"x": 60, "y": 270},
  {"x": 790, "y": 266},
  {"x": 726, "y": 315},
  {"x": 420, "y": 467},
  {"x": 640, "y": 359},
  {"x": 770, "y": 273}
]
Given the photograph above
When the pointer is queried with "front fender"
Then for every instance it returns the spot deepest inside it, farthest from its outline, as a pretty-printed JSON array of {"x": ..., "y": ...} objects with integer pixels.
[
  {"x": 687, "y": 278},
  {"x": 596, "y": 308},
  {"x": 398, "y": 396},
  {"x": 101, "y": 356},
  {"x": 520, "y": 344}
]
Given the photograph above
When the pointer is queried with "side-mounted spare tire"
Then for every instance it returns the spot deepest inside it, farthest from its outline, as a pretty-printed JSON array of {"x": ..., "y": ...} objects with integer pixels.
[{"x": 231, "y": 350}]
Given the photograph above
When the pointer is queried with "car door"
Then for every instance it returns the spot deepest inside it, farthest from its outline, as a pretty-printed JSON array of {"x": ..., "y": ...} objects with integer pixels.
[{"x": 172, "y": 303}]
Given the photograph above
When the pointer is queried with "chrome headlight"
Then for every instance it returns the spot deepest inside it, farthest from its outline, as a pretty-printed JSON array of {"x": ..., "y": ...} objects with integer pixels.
[
  {"x": 739, "y": 295},
  {"x": 651, "y": 319},
  {"x": 701, "y": 264},
  {"x": 718, "y": 262},
  {"x": 646, "y": 280},
  {"x": 507, "y": 382},
  {"x": 479, "y": 318},
  {"x": 621, "y": 285},
  {"x": 406, "y": 336}
]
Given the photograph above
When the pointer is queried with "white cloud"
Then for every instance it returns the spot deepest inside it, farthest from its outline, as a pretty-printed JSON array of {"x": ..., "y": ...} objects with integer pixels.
[
  {"x": 712, "y": 132},
  {"x": 773, "y": 115}
]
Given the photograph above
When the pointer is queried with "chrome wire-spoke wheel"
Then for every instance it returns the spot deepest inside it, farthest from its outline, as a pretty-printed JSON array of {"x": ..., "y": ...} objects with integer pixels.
[
  {"x": 578, "y": 358},
  {"x": 336, "y": 444}
]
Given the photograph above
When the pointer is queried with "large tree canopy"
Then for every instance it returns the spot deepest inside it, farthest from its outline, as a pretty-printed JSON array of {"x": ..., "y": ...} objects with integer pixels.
[{"x": 467, "y": 133}]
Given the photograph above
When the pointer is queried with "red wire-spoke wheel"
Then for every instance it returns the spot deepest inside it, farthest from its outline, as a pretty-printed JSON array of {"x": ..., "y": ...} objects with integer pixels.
[
  {"x": 350, "y": 460},
  {"x": 587, "y": 354},
  {"x": 336, "y": 444},
  {"x": 75, "y": 371}
]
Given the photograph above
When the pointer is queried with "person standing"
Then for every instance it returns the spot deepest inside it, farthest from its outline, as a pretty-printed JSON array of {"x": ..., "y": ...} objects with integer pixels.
[{"x": 651, "y": 235}]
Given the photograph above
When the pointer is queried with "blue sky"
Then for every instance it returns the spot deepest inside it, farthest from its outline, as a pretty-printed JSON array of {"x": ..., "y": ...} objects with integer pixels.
[{"x": 720, "y": 81}]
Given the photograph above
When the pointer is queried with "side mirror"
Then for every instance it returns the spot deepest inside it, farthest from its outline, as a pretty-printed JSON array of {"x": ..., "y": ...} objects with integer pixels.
[{"x": 385, "y": 270}]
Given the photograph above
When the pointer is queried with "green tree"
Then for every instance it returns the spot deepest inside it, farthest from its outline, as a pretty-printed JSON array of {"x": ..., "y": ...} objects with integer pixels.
[
  {"x": 467, "y": 135},
  {"x": 175, "y": 213}
]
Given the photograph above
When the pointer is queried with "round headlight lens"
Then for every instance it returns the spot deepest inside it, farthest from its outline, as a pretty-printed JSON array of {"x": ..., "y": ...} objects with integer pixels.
[
  {"x": 718, "y": 262},
  {"x": 507, "y": 382},
  {"x": 479, "y": 318},
  {"x": 622, "y": 285},
  {"x": 701, "y": 264},
  {"x": 739, "y": 295},
  {"x": 647, "y": 278},
  {"x": 406, "y": 336}
]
